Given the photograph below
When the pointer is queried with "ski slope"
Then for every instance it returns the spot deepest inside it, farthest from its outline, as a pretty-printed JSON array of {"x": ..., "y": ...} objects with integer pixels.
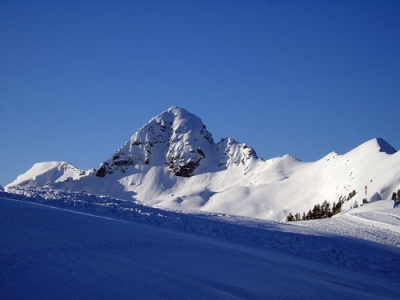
[
  {"x": 100, "y": 251},
  {"x": 377, "y": 222}
]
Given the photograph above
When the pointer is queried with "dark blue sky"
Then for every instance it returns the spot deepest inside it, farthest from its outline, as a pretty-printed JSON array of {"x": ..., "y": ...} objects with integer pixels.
[{"x": 78, "y": 78}]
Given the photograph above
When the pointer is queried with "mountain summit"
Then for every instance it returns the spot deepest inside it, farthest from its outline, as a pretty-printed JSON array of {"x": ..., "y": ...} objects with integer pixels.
[
  {"x": 177, "y": 139},
  {"x": 173, "y": 161}
]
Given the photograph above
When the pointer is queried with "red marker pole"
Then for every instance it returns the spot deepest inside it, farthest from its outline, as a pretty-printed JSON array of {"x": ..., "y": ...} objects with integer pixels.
[{"x": 366, "y": 189}]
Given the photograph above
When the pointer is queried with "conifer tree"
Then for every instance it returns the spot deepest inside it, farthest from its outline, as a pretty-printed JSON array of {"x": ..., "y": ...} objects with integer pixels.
[
  {"x": 309, "y": 215},
  {"x": 326, "y": 210},
  {"x": 337, "y": 208},
  {"x": 316, "y": 212},
  {"x": 289, "y": 218}
]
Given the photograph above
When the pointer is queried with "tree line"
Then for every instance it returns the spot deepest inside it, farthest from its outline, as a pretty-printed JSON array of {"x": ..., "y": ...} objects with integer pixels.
[{"x": 321, "y": 211}]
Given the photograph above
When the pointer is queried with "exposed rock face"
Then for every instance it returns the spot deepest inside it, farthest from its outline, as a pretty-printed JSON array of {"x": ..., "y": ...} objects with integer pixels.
[
  {"x": 176, "y": 139},
  {"x": 101, "y": 171},
  {"x": 235, "y": 153}
]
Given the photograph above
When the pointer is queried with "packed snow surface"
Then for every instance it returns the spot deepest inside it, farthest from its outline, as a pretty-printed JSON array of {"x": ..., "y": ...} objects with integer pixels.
[{"x": 64, "y": 245}]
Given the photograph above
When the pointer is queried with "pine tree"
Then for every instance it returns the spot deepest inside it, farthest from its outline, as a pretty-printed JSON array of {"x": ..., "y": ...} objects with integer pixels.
[
  {"x": 351, "y": 194},
  {"x": 326, "y": 210},
  {"x": 289, "y": 218},
  {"x": 337, "y": 208},
  {"x": 316, "y": 212}
]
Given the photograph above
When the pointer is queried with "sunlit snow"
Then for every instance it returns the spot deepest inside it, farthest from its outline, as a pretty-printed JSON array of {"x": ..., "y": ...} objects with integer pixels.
[{"x": 87, "y": 246}]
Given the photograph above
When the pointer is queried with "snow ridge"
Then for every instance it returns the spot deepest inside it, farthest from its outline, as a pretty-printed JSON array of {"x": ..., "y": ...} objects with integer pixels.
[{"x": 49, "y": 172}]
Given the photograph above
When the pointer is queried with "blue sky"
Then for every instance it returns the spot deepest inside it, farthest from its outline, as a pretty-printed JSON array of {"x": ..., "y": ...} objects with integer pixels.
[{"x": 78, "y": 78}]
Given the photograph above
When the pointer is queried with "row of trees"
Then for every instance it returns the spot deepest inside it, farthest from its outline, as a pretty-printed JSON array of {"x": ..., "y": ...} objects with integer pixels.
[{"x": 321, "y": 211}]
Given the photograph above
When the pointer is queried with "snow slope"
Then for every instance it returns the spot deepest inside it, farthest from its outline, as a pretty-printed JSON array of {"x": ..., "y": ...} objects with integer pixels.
[
  {"x": 50, "y": 172},
  {"x": 50, "y": 253},
  {"x": 377, "y": 222},
  {"x": 173, "y": 162}
]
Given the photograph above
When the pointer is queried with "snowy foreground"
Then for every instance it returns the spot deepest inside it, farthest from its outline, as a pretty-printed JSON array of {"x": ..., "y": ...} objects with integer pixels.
[{"x": 57, "y": 245}]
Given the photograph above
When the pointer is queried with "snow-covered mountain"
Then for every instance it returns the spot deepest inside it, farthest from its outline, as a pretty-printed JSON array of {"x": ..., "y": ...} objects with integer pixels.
[
  {"x": 173, "y": 162},
  {"x": 180, "y": 141}
]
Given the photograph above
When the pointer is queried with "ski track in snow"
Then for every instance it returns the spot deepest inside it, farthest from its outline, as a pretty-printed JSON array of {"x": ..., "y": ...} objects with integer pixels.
[{"x": 366, "y": 243}]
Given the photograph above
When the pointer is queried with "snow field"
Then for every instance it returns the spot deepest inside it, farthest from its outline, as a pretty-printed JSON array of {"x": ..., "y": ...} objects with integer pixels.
[
  {"x": 52, "y": 253},
  {"x": 367, "y": 248},
  {"x": 377, "y": 222}
]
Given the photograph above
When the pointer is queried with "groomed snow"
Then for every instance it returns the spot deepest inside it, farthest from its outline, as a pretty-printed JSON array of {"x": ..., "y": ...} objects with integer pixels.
[
  {"x": 377, "y": 222},
  {"x": 104, "y": 248}
]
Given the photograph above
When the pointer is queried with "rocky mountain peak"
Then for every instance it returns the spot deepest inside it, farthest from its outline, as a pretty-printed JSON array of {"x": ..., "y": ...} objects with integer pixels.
[
  {"x": 235, "y": 153},
  {"x": 175, "y": 138}
]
